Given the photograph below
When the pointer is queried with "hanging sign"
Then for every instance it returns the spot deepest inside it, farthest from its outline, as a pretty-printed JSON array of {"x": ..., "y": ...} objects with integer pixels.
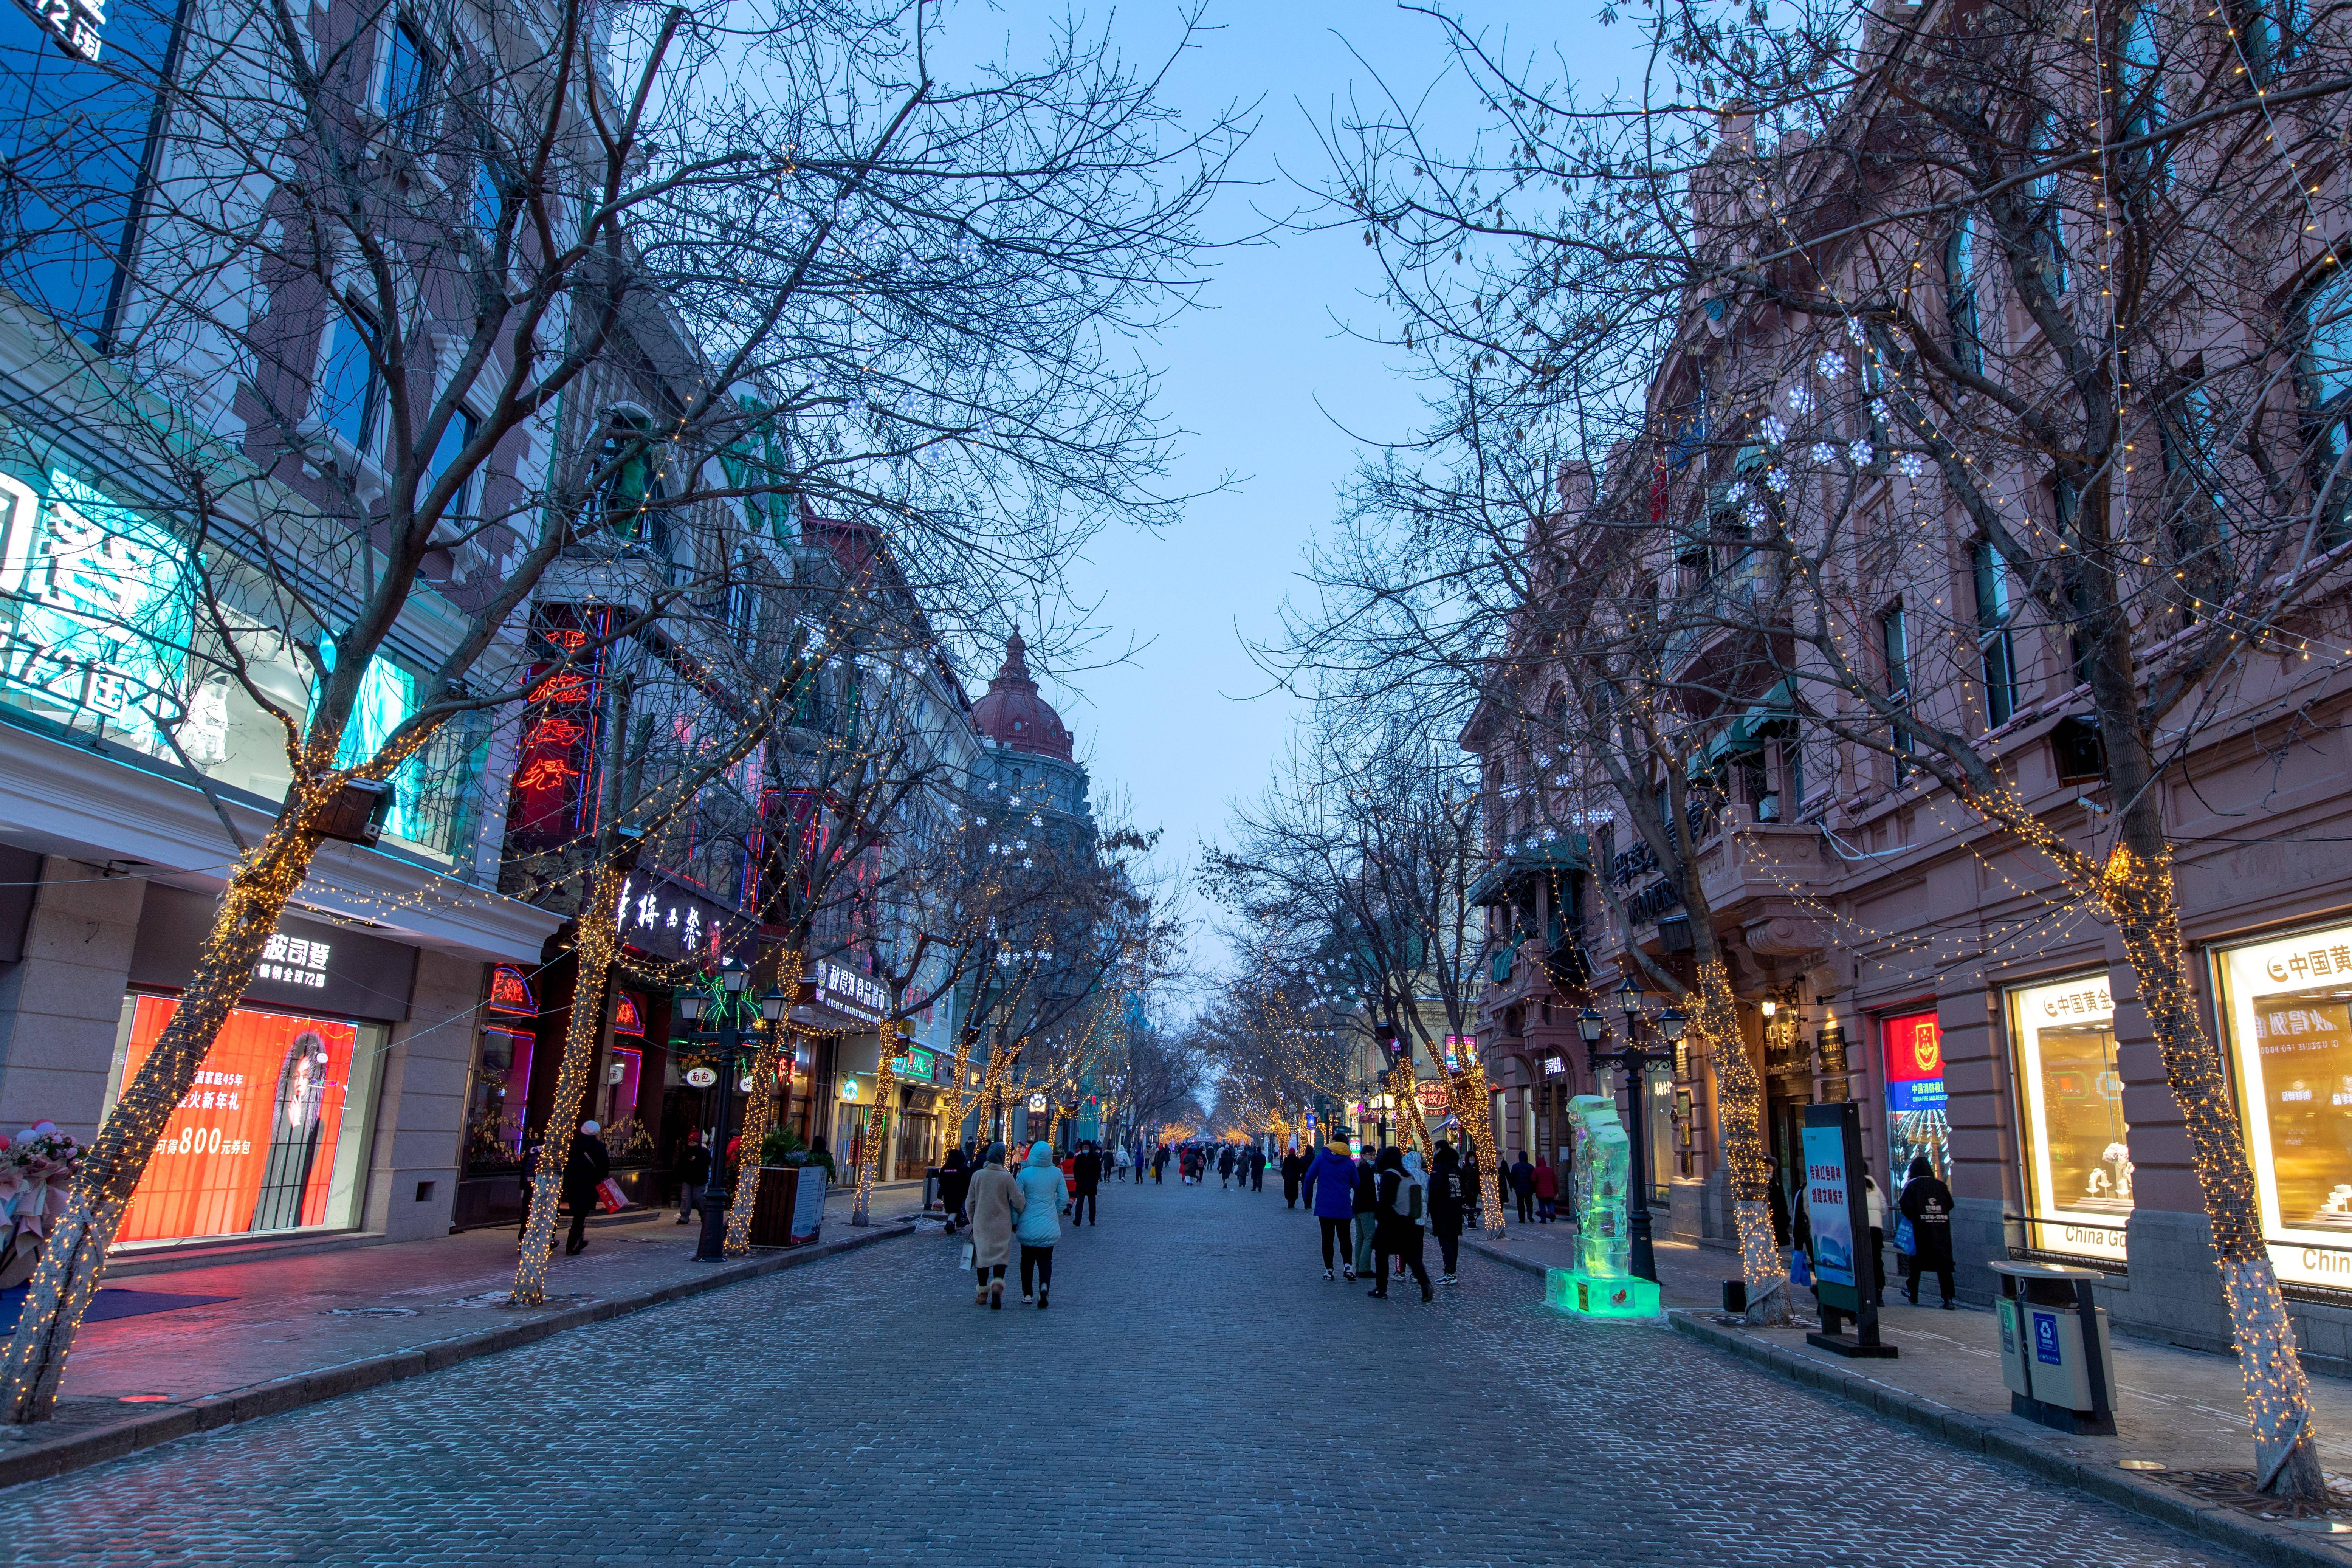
[
  {"x": 72, "y": 25},
  {"x": 628, "y": 1018},
  {"x": 701, "y": 1078},
  {"x": 846, "y": 991},
  {"x": 1432, "y": 1095},
  {"x": 1036, "y": 1105}
]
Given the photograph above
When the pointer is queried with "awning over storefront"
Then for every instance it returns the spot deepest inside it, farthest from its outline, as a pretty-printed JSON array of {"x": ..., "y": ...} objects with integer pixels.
[
  {"x": 1749, "y": 731},
  {"x": 1570, "y": 852}
]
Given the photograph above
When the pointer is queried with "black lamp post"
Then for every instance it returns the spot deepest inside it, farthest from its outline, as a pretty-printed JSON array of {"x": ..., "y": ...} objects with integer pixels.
[
  {"x": 1635, "y": 1062},
  {"x": 726, "y": 1040}
]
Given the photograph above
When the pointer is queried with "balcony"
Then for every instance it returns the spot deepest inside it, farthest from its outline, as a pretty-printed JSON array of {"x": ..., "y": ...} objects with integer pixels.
[{"x": 1766, "y": 879}]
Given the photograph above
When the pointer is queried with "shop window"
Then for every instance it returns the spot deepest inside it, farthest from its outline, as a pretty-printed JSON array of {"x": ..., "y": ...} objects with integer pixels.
[
  {"x": 2284, "y": 1012},
  {"x": 2077, "y": 1146},
  {"x": 271, "y": 1137}
]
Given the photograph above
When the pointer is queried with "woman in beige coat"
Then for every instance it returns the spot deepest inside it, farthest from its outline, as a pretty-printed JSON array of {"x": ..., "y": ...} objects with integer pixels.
[{"x": 993, "y": 1201}]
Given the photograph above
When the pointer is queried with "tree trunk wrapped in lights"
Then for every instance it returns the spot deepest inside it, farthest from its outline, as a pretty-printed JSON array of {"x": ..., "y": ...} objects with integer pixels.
[
  {"x": 2139, "y": 892},
  {"x": 1413, "y": 1127},
  {"x": 877, "y": 1124},
  {"x": 593, "y": 966},
  {"x": 1466, "y": 1091},
  {"x": 759, "y": 1120},
  {"x": 73, "y": 1257},
  {"x": 1739, "y": 1112}
]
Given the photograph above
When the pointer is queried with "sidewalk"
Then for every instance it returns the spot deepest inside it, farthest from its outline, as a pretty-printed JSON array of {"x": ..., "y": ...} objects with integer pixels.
[
  {"x": 2181, "y": 1415},
  {"x": 208, "y": 1346}
]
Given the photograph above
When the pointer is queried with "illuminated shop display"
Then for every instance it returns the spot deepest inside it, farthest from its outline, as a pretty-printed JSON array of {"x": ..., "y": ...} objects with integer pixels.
[
  {"x": 2285, "y": 1015},
  {"x": 1916, "y": 1124},
  {"x": 272, "y": 1136},
  {"x": 2078, "y": 1166}
]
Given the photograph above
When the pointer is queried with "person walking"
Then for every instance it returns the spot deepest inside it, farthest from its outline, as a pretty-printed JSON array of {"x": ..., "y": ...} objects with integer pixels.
[
  {"x": 1547, "y": 1192},
  {"x": 587, "y": 1169},
  {"x": 1367, "y": 1208},
  {"x": 1226, "y": 1168},
  {"x": 1160, "y": 1166},
  {"x": 1041, "y": 1184},
  {"x": 1448, "y": 1205},
  {"x": 993, "y": 1199},
  {"x": 1294, "y": 1171},
  {"x": 1926, "y": 1202},
  {"x": 1877, "y": 1206},
  {"x": 692, "y": 1169},
  {"x": 1522, "y": 1187},
  {"x": 954, "y": 1181},
  {"x": 1257, "y": 1169},
  {"x": 1403, "y": 1210},
  {"x": 1330, "y": 1184},
  {"x": 1086, "y": 1173}
]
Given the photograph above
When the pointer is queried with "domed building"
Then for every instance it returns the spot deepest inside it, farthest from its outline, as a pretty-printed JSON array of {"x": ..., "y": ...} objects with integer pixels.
[{"x": 1026, "y": 760}]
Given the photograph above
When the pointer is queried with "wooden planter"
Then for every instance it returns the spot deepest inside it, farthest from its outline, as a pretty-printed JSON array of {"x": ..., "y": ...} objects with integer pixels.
[{"x": 779, "y": 1196}]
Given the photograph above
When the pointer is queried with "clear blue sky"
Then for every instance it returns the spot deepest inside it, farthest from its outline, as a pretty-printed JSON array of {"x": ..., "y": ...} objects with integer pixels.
[{"x": 1268, "y": 385}]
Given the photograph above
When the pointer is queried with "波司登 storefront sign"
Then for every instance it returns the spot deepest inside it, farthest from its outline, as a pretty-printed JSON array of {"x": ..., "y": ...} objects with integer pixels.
[
  {"x": 304, "y": 963},
  {"x": 2076, "y": 1144},
  {"x": 2284, "y": 1017}
]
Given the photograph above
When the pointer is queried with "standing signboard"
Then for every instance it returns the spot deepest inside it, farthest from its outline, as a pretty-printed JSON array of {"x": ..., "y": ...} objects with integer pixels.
[{"x": 1845, "y": 1279}]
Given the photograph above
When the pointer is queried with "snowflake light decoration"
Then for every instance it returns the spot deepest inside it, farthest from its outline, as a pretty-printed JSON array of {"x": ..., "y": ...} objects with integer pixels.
[
  {"x": 1801, "y": 400},
  {"x": 1831, "y": 366},
  {"x": 1863, "y": 453},
  {"x": 1779, "y": 479},
  {"x": 1774, "y": 429},
  {"x": 1824, "y": 454},
  {"x": 1911, "y": 465}
]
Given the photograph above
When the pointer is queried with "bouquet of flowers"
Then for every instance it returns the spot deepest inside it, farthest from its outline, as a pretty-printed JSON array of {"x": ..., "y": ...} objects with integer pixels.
[{"x": 37, "y": 1166}]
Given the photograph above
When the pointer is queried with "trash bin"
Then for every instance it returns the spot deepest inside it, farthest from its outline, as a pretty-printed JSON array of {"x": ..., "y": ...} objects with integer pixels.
[{"x": 2054, "y": 1354}]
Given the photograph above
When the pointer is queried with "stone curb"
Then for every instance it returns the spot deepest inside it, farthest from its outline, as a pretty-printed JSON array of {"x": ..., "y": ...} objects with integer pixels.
[
  {"x": 2258, "y": 1539},
  {"x": 42, "y": 1460}
]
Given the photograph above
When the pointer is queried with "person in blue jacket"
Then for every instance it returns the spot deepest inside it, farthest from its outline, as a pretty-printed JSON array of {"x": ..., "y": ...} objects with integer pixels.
[
  {"x": 1044, "y": 1193},
  {"x": 1331, "y": 1191}
]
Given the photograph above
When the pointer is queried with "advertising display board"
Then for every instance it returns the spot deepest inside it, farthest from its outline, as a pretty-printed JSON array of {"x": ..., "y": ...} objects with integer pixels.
[
  {"x": 271, "y": 1137},
  {"x": 2077, "y": 1149},
  {"x": 1913, "y": 1049},
  {"x": 1844, "y": 1272},
  {"x": 2285, "y": 1014}
]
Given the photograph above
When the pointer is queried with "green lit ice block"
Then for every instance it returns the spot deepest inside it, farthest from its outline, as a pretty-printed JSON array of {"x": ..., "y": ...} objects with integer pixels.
[{"x": 1593, "y": 1296}]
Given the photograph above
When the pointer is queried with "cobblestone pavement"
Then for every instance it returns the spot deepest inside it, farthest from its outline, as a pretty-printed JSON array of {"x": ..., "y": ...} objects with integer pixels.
[{"x": 1197, "y": 1394}]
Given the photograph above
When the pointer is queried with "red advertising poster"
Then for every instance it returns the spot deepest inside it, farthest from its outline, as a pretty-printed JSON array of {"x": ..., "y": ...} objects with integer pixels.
[{"x": 252, "y": 1147}]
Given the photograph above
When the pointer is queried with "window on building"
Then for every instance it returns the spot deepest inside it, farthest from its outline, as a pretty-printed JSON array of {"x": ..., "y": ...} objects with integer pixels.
[
  {"x": 2324, "y": 329},
  {"x": 351, "y": 390},
  {"x": 455, "y": 439},
  {"x": 1894, "y": 650},
  {"x": 1967, "y": 340},
  {"x": 632, "y": 489},
  {"x": 1995, "y": 645},
  {"x": 2275, "y": 32},
  {"x": 75, "y": 142},
  {"x": 2140, "y": 82},
  {"x": 411, "y": 77},
  {"x": 2048, "y": 216}
]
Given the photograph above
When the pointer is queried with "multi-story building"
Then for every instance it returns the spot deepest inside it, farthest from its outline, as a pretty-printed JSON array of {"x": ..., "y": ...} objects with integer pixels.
[{"x": 1884, "y": 942}]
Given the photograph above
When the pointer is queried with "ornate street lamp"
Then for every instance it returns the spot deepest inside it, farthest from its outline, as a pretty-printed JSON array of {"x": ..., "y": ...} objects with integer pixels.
[{"x": 726, "y": 1040}]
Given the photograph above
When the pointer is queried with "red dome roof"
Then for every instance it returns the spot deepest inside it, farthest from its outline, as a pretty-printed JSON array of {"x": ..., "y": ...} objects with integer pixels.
[{"x": 1012, "y": 715}]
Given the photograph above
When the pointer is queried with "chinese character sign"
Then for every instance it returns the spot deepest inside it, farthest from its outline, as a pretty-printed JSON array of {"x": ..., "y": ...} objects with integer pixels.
[
  {"x": 99, "y": 607},
  {"x": 1827, "y": 1203},
  {"x": 74, "y": 26}
]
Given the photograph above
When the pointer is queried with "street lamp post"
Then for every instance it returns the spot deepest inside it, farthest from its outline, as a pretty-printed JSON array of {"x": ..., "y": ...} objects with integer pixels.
[
  {"x": 726, "y": 1040},
  {"x": 1635, "y": 1062}
]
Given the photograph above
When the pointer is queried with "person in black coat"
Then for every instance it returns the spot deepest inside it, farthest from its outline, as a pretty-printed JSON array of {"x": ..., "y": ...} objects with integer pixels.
[
  {"x": 1159, "y": 1166},
  {"x": 954, "y": 1181},
  {"x": 1776, "y": 1197},
  {"x": 692, "y": 1169},
  {"x": 1257, "y": 1169},
  {"x": 1397, "y": 1230},
  {"x": 1522, "y": 1187},
  {"x": 1448, "y": 1205},
  {"x": 1085, "y": 1176},
  {"x": 1927, "y": 1203},
  {"x": 1294, "y": 1170},
  {"x": 590, "y": 1163}
]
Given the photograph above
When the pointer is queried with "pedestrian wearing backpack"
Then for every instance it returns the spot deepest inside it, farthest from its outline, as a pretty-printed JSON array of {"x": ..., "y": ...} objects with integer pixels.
[{"x": 1405, "y": 1210}]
